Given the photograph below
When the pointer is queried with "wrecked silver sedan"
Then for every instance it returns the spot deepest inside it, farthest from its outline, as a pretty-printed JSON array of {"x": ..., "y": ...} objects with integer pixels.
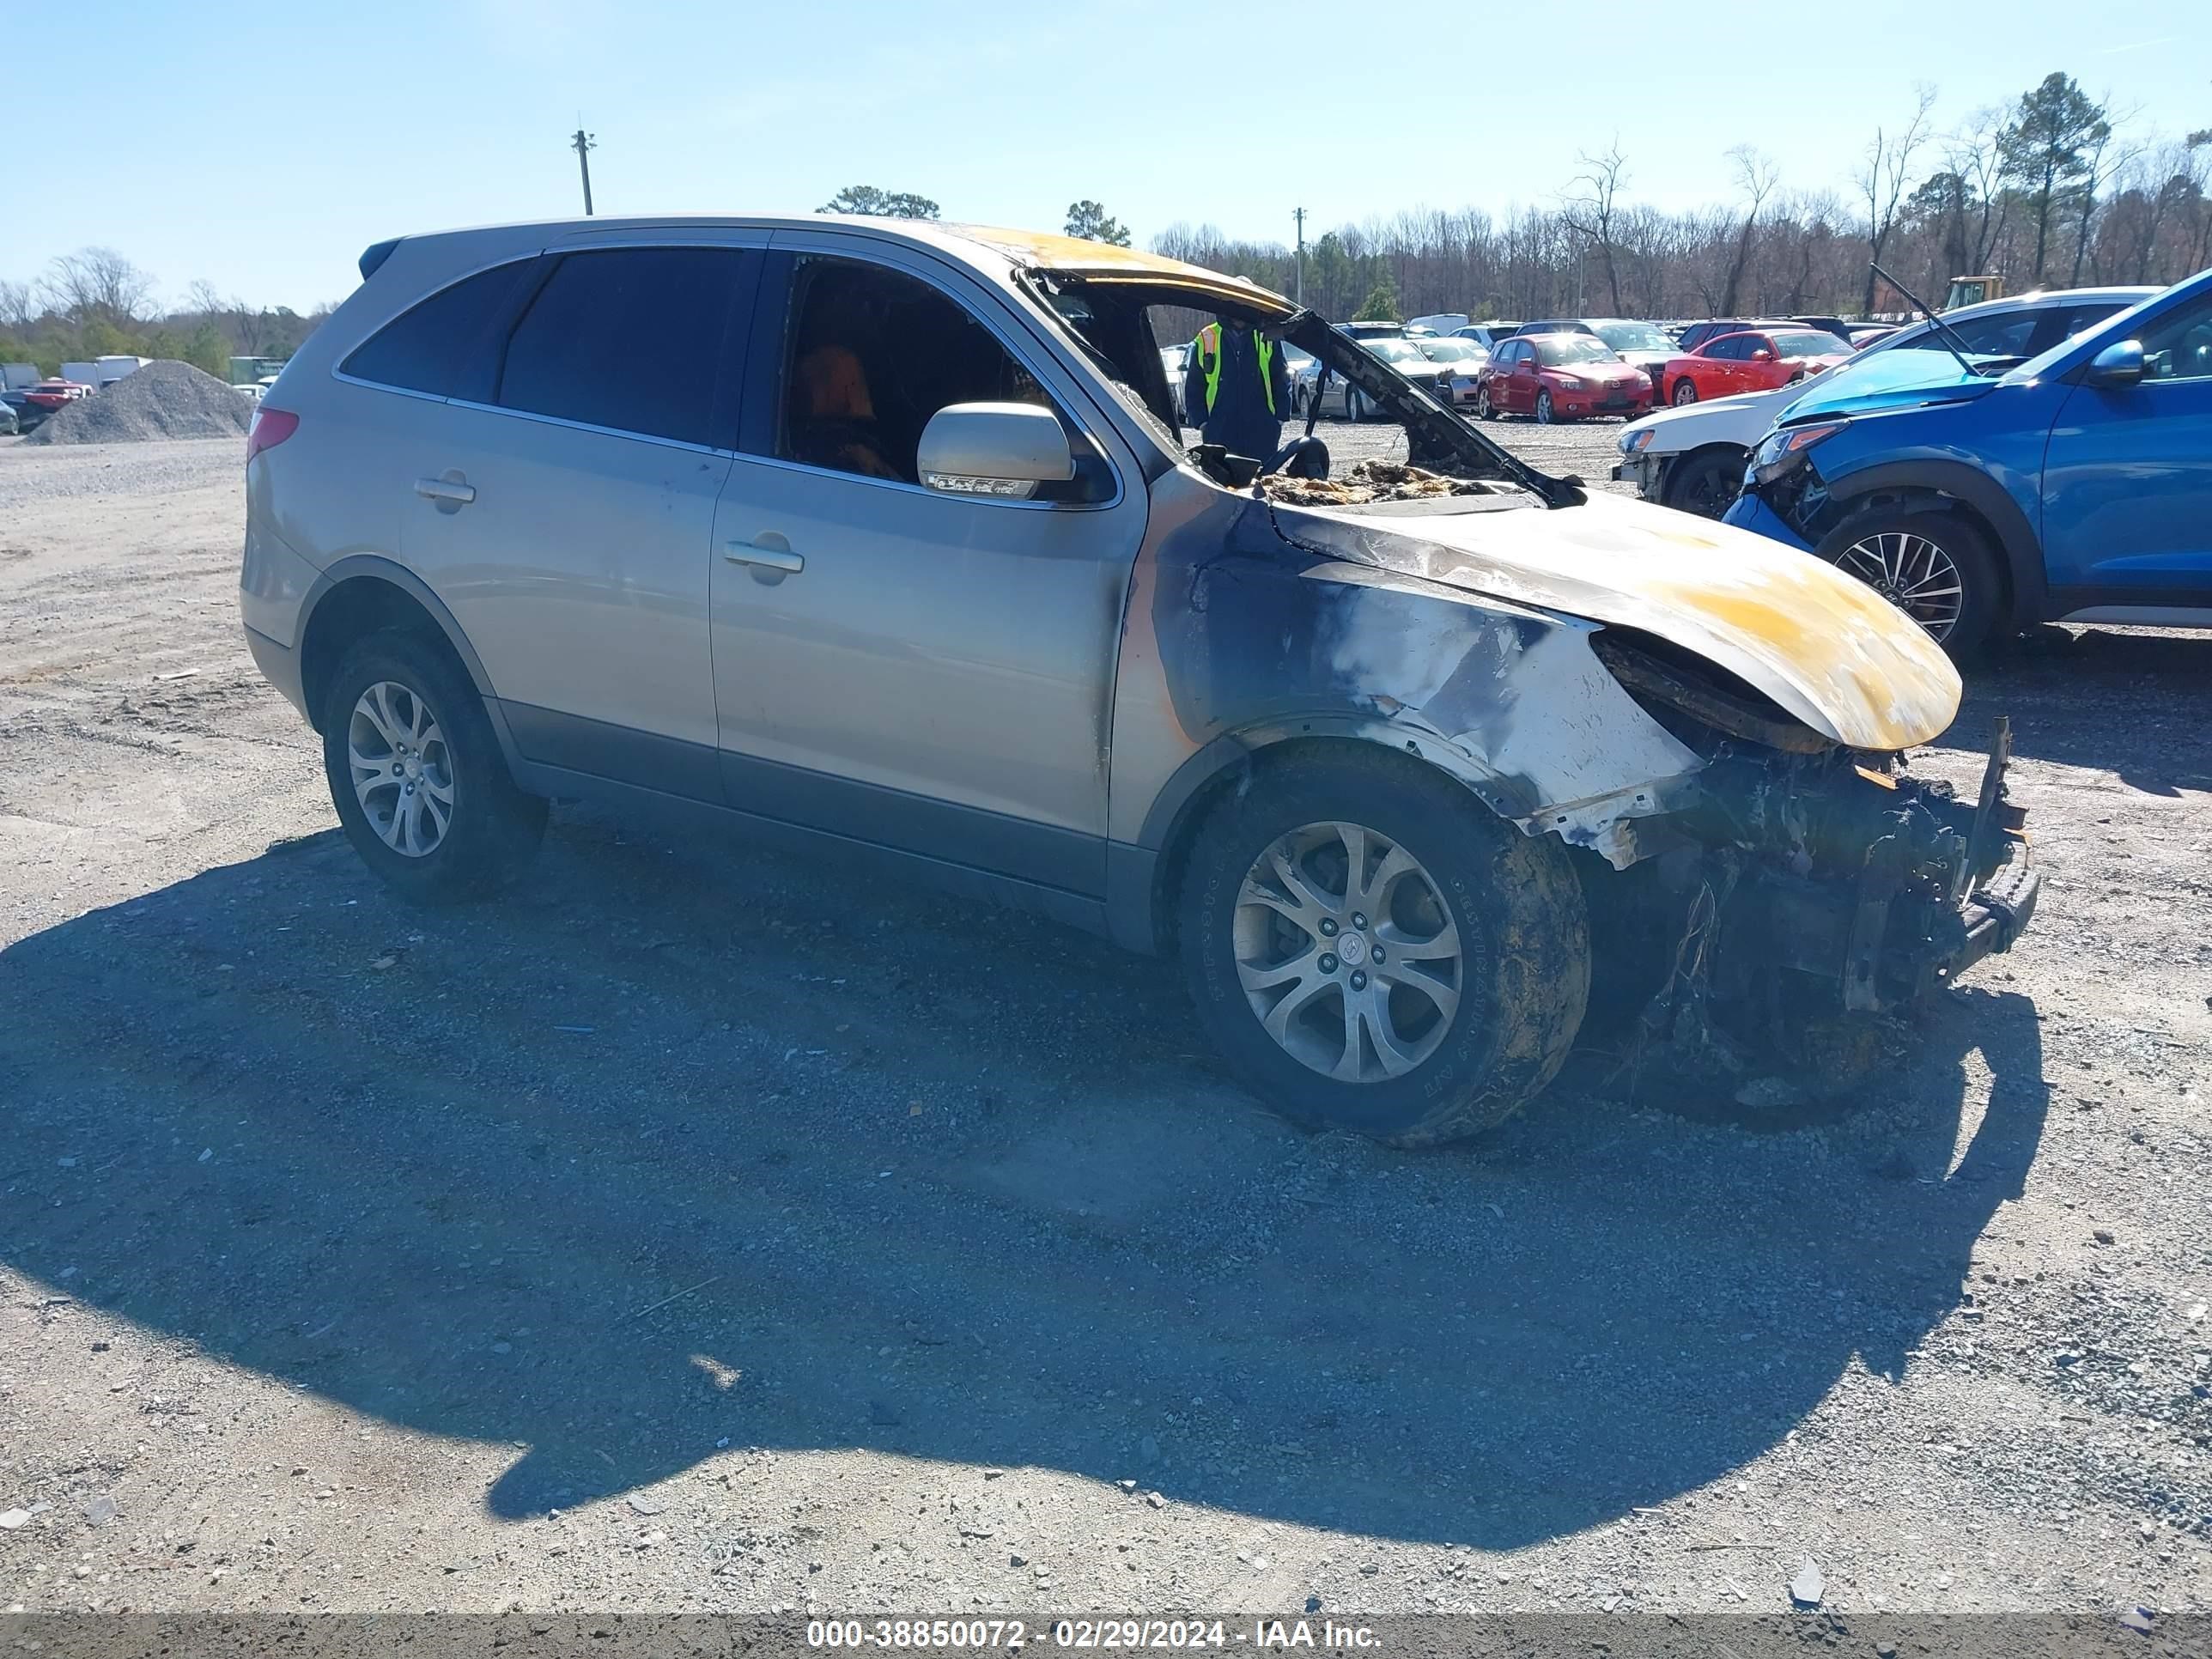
[{"x": 1407, "y": 762}]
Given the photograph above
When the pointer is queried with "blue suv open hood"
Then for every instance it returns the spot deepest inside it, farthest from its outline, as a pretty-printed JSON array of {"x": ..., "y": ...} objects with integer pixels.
[{"x": 1889, "y": 380}]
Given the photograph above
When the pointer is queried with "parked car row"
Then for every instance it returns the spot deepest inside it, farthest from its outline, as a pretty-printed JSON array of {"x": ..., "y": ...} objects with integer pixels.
[{"x": 1593, "y": 376}]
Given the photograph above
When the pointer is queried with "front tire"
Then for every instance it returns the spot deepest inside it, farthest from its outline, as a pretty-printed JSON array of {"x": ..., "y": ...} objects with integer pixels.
[
  {"x": 417, "y": 774},
  {"x": 1545, "y": 417},
  {"x": 1373, "y": 951},
  {"x": 1935, "y": 566},
  {"x": 1484, "y": 408},
  {"x": 1708, "y": 483},
  {"x": 1352, "y": 408}
]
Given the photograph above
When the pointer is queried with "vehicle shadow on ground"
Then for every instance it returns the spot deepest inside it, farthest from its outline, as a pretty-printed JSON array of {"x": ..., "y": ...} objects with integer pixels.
[
  {"x": 791, "y": 1190},
  {"x": 2069, "y": 694}
]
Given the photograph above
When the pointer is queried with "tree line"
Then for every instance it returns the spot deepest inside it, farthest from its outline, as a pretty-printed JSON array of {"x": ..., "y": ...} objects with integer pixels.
[
  {"x": 2051, "y": 192},
  {"x": 96, "y": 303},
  {"x": 2053, "y": 189}
]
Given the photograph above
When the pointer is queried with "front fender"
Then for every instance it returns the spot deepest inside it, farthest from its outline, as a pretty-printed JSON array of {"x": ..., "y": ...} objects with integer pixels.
[{"x": 1267, "y": 641}]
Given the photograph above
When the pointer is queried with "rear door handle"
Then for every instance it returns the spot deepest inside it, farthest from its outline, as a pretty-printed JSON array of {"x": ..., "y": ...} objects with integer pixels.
[
  {"x": 446, "y": 489},
  {"x": 769, "y": 552}
]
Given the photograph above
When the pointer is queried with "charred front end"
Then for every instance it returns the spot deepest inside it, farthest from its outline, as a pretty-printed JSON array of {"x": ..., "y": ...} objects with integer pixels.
[{"x": 1800, "y": 866}]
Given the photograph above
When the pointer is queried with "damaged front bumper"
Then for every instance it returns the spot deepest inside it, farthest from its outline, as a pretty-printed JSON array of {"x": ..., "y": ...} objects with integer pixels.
[
  {"x": 1819, "y": 873},
  {"x": 1919, "y": 885}
]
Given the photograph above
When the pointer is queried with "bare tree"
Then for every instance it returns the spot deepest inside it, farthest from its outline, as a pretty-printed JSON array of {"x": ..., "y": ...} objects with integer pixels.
[
  {"x": 2102, "y": 160},
  {"x": 19, "y": 308},
  {"x": 1882, "y": 180},
  {"x": 97, "y": 284},
  {"x": 1755, "y": 176},
  {"x": 1976, "y": 154},
  {"x": 1588, "y": 213}
]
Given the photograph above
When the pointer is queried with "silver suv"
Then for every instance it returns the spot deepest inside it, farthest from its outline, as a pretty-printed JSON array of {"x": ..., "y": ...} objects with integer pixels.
[{"x": 883, "y": 534}]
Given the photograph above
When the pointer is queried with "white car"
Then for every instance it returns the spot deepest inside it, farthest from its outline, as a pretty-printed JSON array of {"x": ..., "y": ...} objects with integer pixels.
[
  {"x": 252, "y": 392},
  {"x": 1693, "y": 456},
  {"x": 1338, "y": 398},
  {"x": 1463, "y": 358}
]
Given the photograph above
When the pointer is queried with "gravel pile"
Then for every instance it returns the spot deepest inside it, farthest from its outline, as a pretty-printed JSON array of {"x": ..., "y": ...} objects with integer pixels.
[{"x": 157, "y": 400}]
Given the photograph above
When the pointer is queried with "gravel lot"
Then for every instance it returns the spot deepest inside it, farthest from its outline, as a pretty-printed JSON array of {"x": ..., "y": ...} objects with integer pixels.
[{"x": 696, "y": 1229}]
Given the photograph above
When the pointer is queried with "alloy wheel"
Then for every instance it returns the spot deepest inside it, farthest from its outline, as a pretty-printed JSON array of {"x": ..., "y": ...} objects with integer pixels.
[
  {"x": 1710, "y": 488},
  {"x": 402, "y": 773},
  {"x": 1686, "y": 392},
  {"x": 1347, "y": 952},
  {"x": 1913, "y": 574},
  {"x": 1544, "y": 409}
]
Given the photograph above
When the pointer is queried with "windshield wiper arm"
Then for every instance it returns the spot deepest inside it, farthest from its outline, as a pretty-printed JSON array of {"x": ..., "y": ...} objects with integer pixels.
[{"x": 1953, "y": 341}]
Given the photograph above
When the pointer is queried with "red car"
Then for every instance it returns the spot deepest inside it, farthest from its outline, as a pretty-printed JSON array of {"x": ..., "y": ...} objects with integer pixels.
[
  {"x": 1559, "y": 377},
  {"x": 1756, "y": 361},
  {"x": 50, "y": 394}
]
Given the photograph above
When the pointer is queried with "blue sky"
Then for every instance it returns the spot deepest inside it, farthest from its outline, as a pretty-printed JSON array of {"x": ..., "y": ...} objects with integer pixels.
[{"x": 262, "y": 146}]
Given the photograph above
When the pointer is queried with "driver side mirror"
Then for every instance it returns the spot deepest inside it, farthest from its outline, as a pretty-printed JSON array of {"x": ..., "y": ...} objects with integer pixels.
[
  {"x": 1761, "y": 355},
  {"x": 2119, "y": 364},
  {"x": 1002, "y": 450}
]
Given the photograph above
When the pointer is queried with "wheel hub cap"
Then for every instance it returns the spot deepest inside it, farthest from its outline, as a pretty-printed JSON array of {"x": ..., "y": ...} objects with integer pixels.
[
  {"x": 403, "y": 774},
  {"x": 1347, "y": 952},
  {"x": 1913, "y": 572}
]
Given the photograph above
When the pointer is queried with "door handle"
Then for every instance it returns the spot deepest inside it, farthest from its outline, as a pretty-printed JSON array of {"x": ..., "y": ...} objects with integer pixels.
[
  {"x": 769, "y": 552},
  {"x": 446, "y": 489}
]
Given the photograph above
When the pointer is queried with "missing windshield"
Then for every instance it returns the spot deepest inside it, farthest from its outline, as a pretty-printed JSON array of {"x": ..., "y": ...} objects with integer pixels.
[{"x": 1243, "y": 391}]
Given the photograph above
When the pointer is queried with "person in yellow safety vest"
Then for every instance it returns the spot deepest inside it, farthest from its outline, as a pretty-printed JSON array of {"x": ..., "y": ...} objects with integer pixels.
[{"x": 1237, "y": 390}]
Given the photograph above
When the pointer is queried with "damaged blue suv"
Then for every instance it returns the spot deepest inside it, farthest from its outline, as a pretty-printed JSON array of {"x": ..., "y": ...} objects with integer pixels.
[{"x": 2077, "y": 487}]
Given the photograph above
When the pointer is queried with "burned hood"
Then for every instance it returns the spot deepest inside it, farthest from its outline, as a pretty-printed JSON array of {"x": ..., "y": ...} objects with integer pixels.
[{"x": 1824, "y": 646}]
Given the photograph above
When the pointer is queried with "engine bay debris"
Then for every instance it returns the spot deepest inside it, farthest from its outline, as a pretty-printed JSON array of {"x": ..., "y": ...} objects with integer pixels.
[{"x": 1368, "y": 481}]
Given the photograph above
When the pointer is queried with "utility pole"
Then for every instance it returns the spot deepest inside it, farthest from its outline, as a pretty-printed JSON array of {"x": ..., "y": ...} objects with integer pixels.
[
  {"x": 1299, "y": 214},
  {"x": 582, "y": 142}
]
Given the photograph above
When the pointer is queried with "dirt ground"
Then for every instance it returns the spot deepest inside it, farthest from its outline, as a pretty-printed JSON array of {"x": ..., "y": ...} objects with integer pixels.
[{"x": 695, "y": 1229}]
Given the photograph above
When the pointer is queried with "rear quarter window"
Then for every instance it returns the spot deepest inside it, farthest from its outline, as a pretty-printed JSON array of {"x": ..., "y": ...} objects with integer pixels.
[
  {"x": 449, "y": 344},
  {"x": 629, "y": 338}
]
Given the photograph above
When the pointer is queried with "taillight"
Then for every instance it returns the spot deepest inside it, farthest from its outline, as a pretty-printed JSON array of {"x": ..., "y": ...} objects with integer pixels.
[{"x": 271, "y": 427}]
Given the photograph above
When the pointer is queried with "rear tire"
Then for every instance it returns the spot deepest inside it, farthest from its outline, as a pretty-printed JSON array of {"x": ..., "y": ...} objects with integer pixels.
[
  {"x": 1466, "y": 911},
  {"x": 1889, "y": 549},
  {"x": 1686, "y": 392},
  {"x": 417, "y": 774}
]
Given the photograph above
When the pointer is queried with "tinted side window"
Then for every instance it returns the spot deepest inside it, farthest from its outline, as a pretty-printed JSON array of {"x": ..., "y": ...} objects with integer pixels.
[
  {"x": 2000, "y": 336},
  {"x": 2179, "y": 346},
  {"x": 870, "y": 354},
  {"x": 449, "y": 344},
  {"x": 2085, "y": 317},
  {"x": 627, "y": 337}
]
